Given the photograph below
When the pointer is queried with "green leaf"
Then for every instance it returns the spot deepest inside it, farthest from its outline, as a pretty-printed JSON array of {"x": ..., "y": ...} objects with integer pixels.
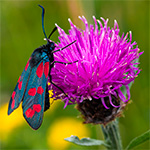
[
  {"x": 139, "y": 140},
  {"x": 85, "y": 141}
]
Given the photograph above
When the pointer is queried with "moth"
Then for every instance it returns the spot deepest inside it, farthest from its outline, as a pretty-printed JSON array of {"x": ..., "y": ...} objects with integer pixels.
[{"x": 32, "y": 88}]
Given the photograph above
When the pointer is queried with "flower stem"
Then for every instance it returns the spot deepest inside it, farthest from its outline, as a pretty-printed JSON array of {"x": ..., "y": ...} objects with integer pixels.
[{"x": 112, "y": 135}]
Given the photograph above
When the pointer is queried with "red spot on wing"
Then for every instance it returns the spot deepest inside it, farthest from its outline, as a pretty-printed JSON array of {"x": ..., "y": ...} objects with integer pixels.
[
  {"x": 13, "y": 100},
  {"x": 39, "y": 70},
  {"x": 46, "y": 69},
  {"x": 29, "y": 113},
  {"x": 32, "y": 91},
  {"x": 40, "y": 90},
  {"x": 27, "y": 65},
  {"x": 37, "y": 107},
  {"x": 13, "y": 94},
  {"x": 20, "y": 85},
  {"x": 13, "y": 104},
  {"x": 19, "y": 79}
]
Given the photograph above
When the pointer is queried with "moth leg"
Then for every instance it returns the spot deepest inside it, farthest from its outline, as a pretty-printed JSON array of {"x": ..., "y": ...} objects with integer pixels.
[
  {"x": 63, "y": 62},
  {"x": 56, "y": 85},
  {"x": 64, "y": 47}
]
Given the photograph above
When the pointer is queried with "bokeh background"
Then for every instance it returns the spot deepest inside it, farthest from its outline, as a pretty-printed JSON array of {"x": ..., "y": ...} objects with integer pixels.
[{"x": 21, "y": 33}]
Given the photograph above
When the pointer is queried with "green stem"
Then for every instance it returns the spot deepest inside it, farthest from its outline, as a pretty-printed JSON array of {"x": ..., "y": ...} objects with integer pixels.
[{"x": 112, "y": 135}]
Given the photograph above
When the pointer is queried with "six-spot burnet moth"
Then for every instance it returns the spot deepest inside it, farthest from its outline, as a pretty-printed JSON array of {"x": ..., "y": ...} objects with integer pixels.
[{"x": 32, "y": 88}]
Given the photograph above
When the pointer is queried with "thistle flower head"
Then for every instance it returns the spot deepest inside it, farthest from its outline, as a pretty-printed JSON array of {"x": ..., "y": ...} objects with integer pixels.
[{"x": 106, "y": 62}]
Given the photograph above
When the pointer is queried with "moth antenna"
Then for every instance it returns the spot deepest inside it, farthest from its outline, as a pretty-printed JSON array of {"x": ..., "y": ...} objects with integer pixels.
[
  {"x": 43, "y": 12},
  {"x": 52, "y": 32}
]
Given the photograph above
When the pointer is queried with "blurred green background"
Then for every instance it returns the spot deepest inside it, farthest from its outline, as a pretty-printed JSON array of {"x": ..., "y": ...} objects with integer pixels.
[{"x": 21, "y": 33}]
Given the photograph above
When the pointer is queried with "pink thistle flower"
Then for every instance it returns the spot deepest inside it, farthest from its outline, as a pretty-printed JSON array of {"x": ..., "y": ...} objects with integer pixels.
[{"x": 106, "y": 62}]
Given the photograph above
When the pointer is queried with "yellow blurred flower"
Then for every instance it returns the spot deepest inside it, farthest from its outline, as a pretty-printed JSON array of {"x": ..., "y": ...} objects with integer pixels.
[
  {"x": 8, "y": 123},
  {"x": 63, "y": 128}
]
